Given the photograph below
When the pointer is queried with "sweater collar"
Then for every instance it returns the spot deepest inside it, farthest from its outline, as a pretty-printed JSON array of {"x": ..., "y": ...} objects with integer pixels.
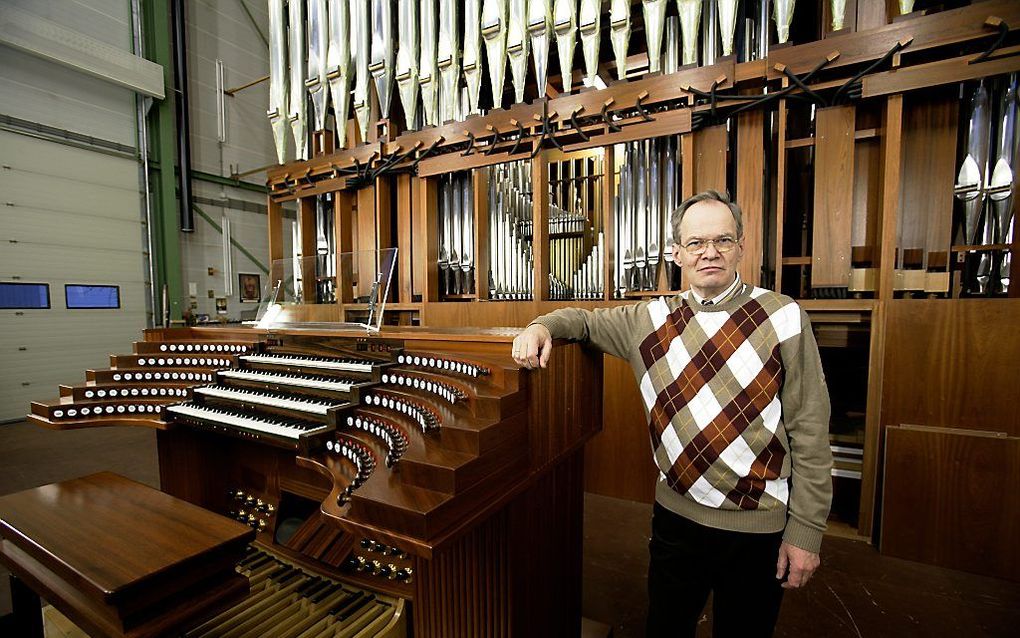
[{"x": 722, "y": 297}]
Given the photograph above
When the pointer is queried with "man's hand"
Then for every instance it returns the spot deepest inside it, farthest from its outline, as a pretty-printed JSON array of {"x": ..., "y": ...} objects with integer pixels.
[
  {"x": 801, "y": 563},
  {"x": 532, "y": 347}
]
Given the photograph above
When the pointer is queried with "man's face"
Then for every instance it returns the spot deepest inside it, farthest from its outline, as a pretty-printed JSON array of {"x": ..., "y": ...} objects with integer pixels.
[{"x": 713, "y": 271}]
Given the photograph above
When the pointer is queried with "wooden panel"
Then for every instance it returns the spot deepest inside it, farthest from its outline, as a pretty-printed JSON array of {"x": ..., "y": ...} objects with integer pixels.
[
  {"x": 366, "y": 240},
  {"x": 540, "y": 224},
  {"x": 710, "y": 159},
  {"x": 618, "y": 461},
  {"x": 405, "y": 238},
  {"x": 275, "y": 213},
  {"x": 867, "y": 193},
  {"x": 952, "y": 364},
  {"x": 834, "y": 196},
  {"x": 480, "y": 197},
  {"x": 429, "y": 220},
  {"x": 306, "y": 221},
  {"x": 607, "y": 192},
  {"x": 928, "y": 172},
  {"x": 343, "y": 214},
  {"x": 871, "y": 14},
  {"x": 943, "y": 503},
  {"x": 750, "y": 191},
  {"x": 780, "y": 186},
  {"x": 892, "y": 148},
  {"x": 419, "y": 247}
]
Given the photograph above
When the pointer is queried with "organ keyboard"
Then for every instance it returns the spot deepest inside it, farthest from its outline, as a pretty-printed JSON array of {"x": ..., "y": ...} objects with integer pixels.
[{"x": 417, "y": 465}]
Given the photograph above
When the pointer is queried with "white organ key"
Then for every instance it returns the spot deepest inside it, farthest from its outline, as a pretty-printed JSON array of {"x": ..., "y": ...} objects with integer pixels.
[
  {"x": 258, "y": 398},
  {"x": 239, "y": 421},
  {"x": 283, "y": 379},
  {"x": 308, "y": 362}
]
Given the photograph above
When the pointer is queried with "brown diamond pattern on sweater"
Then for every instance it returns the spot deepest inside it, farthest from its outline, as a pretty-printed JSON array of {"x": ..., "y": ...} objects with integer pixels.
[
  {"x": 707, "y": 445},
  {"x": 653, "y": 348},
  {"x": 766, "y": 467},
  {"x": 705, "y": 363}
]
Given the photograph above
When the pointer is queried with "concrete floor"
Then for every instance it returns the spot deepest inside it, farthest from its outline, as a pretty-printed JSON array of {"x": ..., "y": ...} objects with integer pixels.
[{"x": 857, "y": 592}]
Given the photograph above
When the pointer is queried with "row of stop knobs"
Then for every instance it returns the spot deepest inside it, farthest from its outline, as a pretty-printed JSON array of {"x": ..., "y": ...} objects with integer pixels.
[{"x": 376, "y": 568}]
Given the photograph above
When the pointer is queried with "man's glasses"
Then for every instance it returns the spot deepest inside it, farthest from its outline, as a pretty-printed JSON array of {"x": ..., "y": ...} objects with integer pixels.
[{"x": 699, "y": 246}]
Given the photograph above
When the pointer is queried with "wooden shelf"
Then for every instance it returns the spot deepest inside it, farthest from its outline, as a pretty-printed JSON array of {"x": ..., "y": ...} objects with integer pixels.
[
  {"x": 797, "y": 261},
  {"x": 837, "y": 305},
  {"x": 800, "y": 142},
  {"x": 984, "y": 247},
  {"x": 395, "y": 307},
  {"x": 863, "y": 134}
]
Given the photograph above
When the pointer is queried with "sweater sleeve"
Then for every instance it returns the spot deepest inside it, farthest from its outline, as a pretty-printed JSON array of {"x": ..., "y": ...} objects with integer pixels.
[
  {"x": 611, "y": 330},
  {"x": 805, "y": 403}
]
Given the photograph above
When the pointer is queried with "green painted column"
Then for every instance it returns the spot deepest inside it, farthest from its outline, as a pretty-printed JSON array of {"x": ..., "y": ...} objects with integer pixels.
[{"x": 162, "y": 137}]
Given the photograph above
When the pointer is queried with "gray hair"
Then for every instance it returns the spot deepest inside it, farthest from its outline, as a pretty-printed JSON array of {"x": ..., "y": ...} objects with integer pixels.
[{"x": 707, "y": 196}]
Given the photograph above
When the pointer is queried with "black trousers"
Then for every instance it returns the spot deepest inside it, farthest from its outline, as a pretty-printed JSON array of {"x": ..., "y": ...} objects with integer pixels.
[{"x": 689, "y": 560}]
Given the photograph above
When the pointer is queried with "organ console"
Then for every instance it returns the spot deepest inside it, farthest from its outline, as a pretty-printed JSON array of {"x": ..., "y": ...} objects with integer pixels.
[{"x": 403, "y": 482}]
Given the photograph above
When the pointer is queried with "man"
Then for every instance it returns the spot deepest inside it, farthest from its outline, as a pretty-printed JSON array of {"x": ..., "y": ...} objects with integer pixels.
[{"x": 738, "y": 414}]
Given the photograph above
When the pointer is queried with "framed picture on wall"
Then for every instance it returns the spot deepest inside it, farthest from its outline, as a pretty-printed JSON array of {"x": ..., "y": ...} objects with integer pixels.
[{"x": 249, "y": 287}]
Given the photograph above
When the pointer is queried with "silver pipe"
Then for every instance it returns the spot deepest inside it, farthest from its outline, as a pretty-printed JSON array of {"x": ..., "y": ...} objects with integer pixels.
[
  {"x": 141, "y": 111},
  {"x": 710, "y": 33}
]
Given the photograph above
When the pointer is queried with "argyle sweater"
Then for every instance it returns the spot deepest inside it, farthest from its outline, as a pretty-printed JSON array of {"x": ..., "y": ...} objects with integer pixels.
[{"x": 737, "y": 406}]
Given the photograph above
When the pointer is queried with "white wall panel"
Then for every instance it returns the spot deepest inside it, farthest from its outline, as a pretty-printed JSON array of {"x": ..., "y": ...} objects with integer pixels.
[{"x": 75, "y": 218}]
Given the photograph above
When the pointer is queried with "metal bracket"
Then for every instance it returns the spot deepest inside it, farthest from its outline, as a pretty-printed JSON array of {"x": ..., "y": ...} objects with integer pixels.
[
  {"x": 546, "y": 121},
  {"x": 471, "y": 144},
  {"x": 994, "y": 22},
  {"x": 495, "y": 140},
  {"x": 640, "y": 106},
  {"x": 607, "y": 118},
  {"x": 576, "y": 124},
  {"x": 521, "y": 134}
]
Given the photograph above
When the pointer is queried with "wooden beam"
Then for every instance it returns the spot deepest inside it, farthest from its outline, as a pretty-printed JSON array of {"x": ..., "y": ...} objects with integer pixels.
[
  {"x": 306, "y": 222},
  {"x": 366, "y": 241},
  {"x": 428, "y": 266},
  {"x": 751, "y": 191},
  {"x": 480, "y": 198},
  {"x": 405, "y": 238},
  {"x": 780, "y": 178},
  {"x": 343, "y": 221},
  {"x": 943, "y": 28},
  {"x": 540, "y": 224},
  {"x": 892, "y": 148},
  {"x": 607, "y": 193},
  {"x": 833, "y": 196},
  {"x": 710, "y": 145}
]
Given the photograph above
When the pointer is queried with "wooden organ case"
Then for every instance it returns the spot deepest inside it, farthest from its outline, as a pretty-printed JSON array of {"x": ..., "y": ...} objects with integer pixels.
[{"x": 415, "y": 466}]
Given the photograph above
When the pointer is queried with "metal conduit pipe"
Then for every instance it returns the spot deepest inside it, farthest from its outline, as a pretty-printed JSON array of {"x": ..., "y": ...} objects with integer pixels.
[
  {"x": 187, "y": 220},
  {"x": 141, "y": 111}
]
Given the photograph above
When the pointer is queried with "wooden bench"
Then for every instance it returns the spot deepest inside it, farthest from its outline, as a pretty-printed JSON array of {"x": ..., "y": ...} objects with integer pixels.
[{"x": 118, "y": 558}]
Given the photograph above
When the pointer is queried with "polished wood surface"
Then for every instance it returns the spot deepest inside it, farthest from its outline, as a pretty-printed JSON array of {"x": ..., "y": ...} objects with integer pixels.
[
  {"x": 750, "y": 193},
  {"x": 710, "y": 148},
  {"x": 120, "y": 557},
  {"x": 114, "y": 538},
  {"x": 834, "y": 196},
  {"x": 944, "y": 501},
  {"x": 952, "y": 365},
  {"x": 928, "y": 174},
  {"x": 618, "y": 461}
]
